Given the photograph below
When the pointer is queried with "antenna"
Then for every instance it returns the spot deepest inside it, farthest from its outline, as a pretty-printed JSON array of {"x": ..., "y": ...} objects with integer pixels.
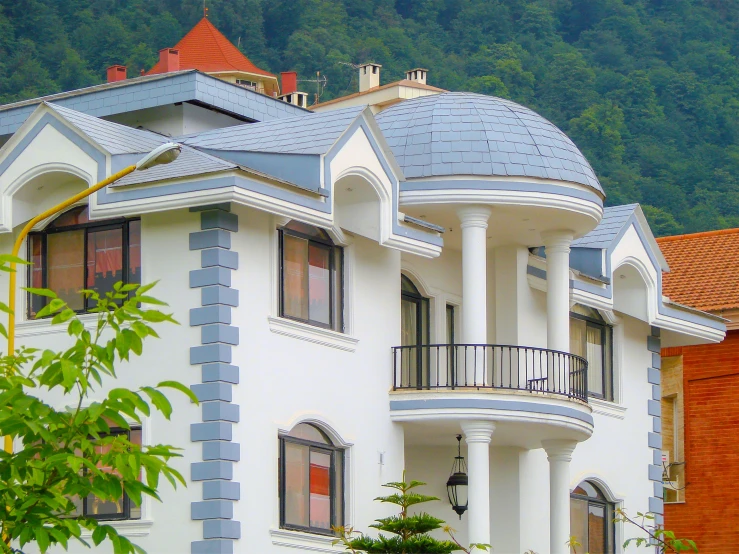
[
  {"x": 320, "y": 82},
  {"x": 205, "y": 9}
]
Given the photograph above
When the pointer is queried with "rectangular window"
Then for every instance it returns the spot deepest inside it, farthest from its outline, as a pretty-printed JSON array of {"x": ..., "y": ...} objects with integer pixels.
[
  {"x": 311, "y": 277},
  {"x": 590, "y": 338},
  {"x": 73, "y": 253},
  {"x": 122, "y": 508}
]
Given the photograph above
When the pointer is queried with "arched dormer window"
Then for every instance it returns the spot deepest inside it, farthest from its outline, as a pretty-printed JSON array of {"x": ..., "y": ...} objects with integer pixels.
[
  {"x": 591, "y": 519},
  {"x": 311, "y": 276},
  {"x": 311, "y": 481},
  {"x": 73, "y": 253},
  {"x": 591, "y": 338}
]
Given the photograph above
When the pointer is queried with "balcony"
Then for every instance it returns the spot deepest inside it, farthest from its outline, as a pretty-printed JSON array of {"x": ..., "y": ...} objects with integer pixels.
[
  {"x": 490, "y": 367},
  {"x": 532, "y": 394}
]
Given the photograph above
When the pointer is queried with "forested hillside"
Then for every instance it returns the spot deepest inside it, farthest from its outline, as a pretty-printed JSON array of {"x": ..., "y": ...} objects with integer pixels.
[{"x": 648, "y": 89}]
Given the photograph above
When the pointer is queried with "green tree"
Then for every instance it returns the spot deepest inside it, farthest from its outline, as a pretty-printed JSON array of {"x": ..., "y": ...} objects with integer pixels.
[
  {"x": 408, "y": 533},
  {"x": 66, "y": 454}
]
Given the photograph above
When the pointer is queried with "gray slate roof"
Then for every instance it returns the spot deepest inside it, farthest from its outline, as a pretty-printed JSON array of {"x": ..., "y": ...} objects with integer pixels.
[
  {"x": 459, "y": 133},
  {"x": 115, "y": 138},
  {"x": 312, "y": 133},
  {"x": 614, "y": 219},
  {"x": 189, "y": 162},
  {"x": 150, "y": 91}
]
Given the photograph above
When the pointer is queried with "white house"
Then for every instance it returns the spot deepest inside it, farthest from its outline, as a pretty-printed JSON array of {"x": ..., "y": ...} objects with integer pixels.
[{"x": 354, "y": 292}]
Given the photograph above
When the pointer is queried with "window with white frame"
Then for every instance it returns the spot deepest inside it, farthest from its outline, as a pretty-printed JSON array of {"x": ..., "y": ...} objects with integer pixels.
[
  {"x": 311, "y": 277},
  {"x": 311, "y": 473},
  {"x": 591, "y": 338}
]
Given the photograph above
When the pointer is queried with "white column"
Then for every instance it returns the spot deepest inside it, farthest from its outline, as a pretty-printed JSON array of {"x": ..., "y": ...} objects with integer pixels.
[
  {"x": 474, "y": 224},
  {"x": 557, "y": 244},
  {"x": 559, "y": 454},
  {"x": 477, "y": 435}
]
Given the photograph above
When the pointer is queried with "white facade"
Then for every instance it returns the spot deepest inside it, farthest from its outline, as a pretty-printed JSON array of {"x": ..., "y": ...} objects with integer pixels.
[{"x": 518, "y": 438}]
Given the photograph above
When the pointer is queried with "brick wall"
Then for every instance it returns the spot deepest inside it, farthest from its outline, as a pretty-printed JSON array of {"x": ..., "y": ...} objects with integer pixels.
[{"x": 710, "y": 513}]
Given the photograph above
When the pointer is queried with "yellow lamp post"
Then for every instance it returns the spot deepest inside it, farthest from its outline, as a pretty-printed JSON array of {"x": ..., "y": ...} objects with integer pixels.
[{"x": 164, "y": 154}]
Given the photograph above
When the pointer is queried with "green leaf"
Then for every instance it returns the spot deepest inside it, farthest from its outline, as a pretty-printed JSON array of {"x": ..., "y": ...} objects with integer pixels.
[
  {"x": 41, "y": 292},
  {"x": 180, "y": 387},
  {"x": 42, "y": 538},
  {"x": 159, "y": 400},
  {"x": 98, "y": 534}
]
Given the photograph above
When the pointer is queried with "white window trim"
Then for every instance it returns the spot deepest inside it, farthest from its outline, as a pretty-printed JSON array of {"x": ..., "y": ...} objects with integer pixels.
[
  {"x": 127, "y": 527},
  {"x": 304, "y": 541},
  {"x": 606, "y": 408},
  {"x": 305, "y": 331},
  {"x": 312, "y": 333}
]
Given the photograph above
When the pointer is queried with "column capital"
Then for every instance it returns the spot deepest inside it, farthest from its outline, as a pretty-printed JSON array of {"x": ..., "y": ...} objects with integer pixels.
[
  {"x": 477, "y": 431},
  {"x": 557, "y": 241},
  {"x": 559, "y": 450},
  {"x": 474, "y": 216}
]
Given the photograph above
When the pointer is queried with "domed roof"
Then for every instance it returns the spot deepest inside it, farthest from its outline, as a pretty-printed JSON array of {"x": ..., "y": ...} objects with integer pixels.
[{"x": 461, "y": 133}]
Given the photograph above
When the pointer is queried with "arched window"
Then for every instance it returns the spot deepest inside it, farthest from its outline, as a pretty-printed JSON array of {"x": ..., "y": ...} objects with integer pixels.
[
  {"x": 414, "y": 329},
  {"x": 311, "y": 481},
  {"x": 311, "y": 276},
  {"x": 591, "y": 519},
  {"x": 591, "y": 338},
  {"x": 74, "y": 253}
]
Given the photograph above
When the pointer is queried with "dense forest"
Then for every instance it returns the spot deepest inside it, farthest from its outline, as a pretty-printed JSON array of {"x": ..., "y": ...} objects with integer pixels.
[{"x": 649, "y": 89}]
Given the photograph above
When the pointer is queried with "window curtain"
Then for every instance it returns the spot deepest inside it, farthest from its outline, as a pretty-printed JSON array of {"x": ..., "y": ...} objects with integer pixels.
[{"x": 595, "y": 359}]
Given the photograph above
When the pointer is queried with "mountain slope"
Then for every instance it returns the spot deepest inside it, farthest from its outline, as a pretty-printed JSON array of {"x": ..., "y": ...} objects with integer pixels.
[{"x": 648, "y": 89}]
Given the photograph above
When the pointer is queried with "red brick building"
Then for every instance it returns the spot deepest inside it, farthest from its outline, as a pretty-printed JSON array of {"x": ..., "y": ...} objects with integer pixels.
[{"x": 700, "y": 395}]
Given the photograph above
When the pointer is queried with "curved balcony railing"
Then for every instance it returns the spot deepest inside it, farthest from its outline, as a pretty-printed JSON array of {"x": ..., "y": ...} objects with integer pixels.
[{"x": 490, "y": 366}]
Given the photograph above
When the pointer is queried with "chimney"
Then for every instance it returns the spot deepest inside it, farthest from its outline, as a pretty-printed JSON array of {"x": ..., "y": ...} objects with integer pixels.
[
  {"x": 296, "y": 98},
  {"x": 417, "y": 75},
  {"x": 369, "y": 76},
  {"x": 170, "y": 59},
  {"x": 116, "y": 73},
  {"x": 289, "y": 82}
]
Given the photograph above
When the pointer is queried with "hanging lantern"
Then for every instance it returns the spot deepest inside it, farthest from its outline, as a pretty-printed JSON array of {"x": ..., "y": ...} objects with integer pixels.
[{"x": 456, "y": 485}]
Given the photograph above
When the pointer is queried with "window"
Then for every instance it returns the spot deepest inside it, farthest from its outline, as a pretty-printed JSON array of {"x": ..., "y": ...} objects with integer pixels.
[
  {"x": 311, "y": 481},
  {"x": 414, "y": 334},
  {"x": 591, "y": 338},
  {"x": 247, "y": 84},
  {"x": 591, "y": 519},
  {"x": 74, "y": 253},
  {"x": 311, "y": 277},
  {"x": 121, "y": 509}
]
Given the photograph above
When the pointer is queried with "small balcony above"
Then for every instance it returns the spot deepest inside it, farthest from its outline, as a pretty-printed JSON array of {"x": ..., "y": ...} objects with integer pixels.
[{"x": 532, "y": 394}]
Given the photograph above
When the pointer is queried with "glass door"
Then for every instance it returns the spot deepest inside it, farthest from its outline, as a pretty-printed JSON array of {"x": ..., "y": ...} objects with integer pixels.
[{"x": 414, "y": 316}]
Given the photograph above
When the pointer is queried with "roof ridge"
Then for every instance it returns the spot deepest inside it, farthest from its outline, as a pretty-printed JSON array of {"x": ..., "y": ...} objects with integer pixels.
[
  {"x": 702, "y": 234},
  {"x": 212, "y": 28}
]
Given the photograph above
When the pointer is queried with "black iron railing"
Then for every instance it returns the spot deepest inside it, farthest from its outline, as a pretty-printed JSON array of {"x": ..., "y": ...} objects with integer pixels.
[{"x": 490, "y": 366}]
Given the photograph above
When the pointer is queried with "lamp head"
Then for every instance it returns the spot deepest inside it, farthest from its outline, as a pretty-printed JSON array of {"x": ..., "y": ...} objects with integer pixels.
[{"x": 164, "y": 154}]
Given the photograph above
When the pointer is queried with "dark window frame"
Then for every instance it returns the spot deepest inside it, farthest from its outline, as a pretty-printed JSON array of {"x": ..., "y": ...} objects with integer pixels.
[
  {"x": 334, "y": 252},
  {"x": 423, "y": 331},
  {"x": 126, "y": 501},
  {"x": 333, "y": 451},
  {"x": 609, "y": 509},
  {"x": 607, "y": 356},
  {"x": 121, "y": 223}
]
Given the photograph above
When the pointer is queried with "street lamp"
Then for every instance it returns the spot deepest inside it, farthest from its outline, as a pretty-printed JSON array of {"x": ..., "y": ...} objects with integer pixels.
[
  {"x": 164, "y": 154},
  {"x": 456, "y": 485}
]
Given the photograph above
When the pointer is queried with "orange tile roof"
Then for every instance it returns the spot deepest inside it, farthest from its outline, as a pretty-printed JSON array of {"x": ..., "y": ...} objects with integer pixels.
[
  {"x": 206, "y": 49},
  {"x": 704, "y": 269}
]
